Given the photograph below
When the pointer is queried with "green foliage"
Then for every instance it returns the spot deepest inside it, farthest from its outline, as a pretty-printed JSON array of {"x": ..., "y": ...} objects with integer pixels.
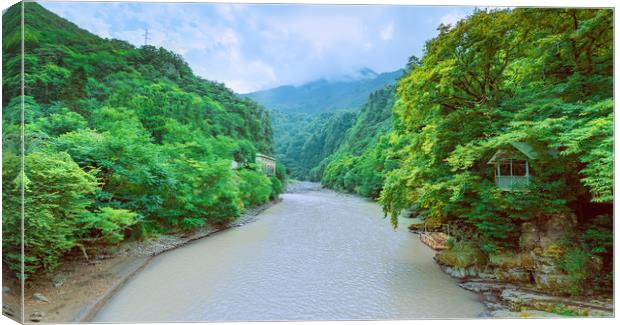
[
  {"x": 254, "y": 187},
  {"x": 305, "y": 142},
  {"x": 276, "y": 187},
  {"x": 106, "y": 226},
  {"x": 362, "y": 160},
  {"x": 57, "y": 195},
  {"x": 538, "y": 76},
  {"x": 574, "y": 262},
  {"x": 543, "y": 77},
  {"x": 120, "y": 141},
  {"x": 462, "y": 255}
]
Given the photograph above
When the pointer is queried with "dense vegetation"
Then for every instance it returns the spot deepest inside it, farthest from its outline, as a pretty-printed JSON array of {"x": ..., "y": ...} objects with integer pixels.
[
  {"x": 307, "y": 138},
  {"x": 120, "y": 141},
  {"x": 322, "y": 96},
  {"x": 124, "y": 141},
  {"x": 538, "y": 76},
  {"x": 360, "y": 163},
  {"x": 303, "y": 141}
]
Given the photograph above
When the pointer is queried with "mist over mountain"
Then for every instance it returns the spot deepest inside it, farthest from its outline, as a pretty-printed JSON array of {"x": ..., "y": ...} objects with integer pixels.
[{"x": 326, "y": 95}]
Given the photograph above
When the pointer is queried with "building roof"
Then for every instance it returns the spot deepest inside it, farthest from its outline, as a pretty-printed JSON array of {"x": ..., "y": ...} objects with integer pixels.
[
  {"x": 525, "y": 149},
  {"x": 522, "y": 147},
  {"x": 265, "y": 156}
]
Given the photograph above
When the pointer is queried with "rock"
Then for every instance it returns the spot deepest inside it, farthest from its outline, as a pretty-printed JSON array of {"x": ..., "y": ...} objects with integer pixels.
[
  {"x": 461, "y": 255},
  {"x": 529, "y": 236},
  {"x": 460, "y": 272},
  {"x": 556, "y": 228},
  {"x": 492, "y": 306},
  {"x": 484, "y": 286},
  {"x": 486, "y": 275},
  {"x": 59, "y": 280},
  {"x": 36, "y": 317},
  {"x": 39, "y": 297},
  {"x": 526, "y": 313},
  {"x": 7, "y": 310},
  {"x": 6, "y": 290},
  {"x": 514, "y": 275},
  {"x": 551, "y": 281},
  {"x": 505, "y": 261}
]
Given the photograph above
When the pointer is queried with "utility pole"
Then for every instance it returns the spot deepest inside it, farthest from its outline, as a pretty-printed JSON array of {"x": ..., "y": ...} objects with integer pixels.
[{"x": 146, "y": 36}]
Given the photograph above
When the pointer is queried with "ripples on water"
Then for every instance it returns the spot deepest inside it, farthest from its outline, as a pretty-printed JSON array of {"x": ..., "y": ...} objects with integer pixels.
[{"x": 317, "y": 255}]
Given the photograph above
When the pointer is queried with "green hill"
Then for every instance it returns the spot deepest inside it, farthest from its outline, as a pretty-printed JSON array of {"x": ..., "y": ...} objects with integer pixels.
[
  {"x": 322, "y": 96},
  {"x": 120, "y": 142}
]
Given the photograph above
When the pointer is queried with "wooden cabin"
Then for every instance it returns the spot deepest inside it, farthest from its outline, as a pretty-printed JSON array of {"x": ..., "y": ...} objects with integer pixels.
[
  {"x": 268, "y": 164},
  {"x": 512, "y": 166}
]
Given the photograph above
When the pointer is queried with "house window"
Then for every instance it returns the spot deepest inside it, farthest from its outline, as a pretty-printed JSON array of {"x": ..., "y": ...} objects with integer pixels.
[
  {"x": 519, "y": 168},
  {"x": 504, "y": 167},
  {"x": 512, "y": 167}
]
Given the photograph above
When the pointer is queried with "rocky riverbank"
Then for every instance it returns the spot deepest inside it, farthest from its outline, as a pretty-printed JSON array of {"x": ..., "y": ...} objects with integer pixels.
[
  {"x": 527, "y": 282},
  {"x": 507, "y": 300},
  {"x": 74, "y": 291}
]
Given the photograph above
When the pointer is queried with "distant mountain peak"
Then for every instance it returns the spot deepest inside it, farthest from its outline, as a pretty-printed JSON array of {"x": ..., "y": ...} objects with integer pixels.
[
  {"x": 367, "y": 73},
  {"x": 360, "y": 74},
  {"x": 326, "y": 95}
]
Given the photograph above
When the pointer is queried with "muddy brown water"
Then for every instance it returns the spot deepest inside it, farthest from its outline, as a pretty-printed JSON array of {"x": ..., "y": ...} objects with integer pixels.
[{"x": 317, "y": 255}]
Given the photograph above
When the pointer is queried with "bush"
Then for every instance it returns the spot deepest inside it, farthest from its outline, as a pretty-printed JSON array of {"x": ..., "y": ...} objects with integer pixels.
[
  {"x": 276, "y": 188},
  {"x": 107, "y": 226},
  {"x": 56, "y": 196},
  {"x": 254, "y": 187}
]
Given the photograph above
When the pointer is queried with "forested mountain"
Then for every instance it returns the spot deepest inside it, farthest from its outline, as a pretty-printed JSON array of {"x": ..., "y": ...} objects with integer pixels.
[
  {"x": 359, "y": 164},
  {"x": 541, "y": 78},
  {"x": 307, "y": 144},
  {"x": 303, "y": 141},
  {"x": 120, "y": 141},
  {"x": 323, "y": 95}
]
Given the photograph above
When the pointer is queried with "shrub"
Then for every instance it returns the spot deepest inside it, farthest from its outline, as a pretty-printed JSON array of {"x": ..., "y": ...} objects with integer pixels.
[
  {"x": 254, "y": 187},
  {"x": 106, "y": 226},
  {"x": 276, "y": 187},
  {"x": 56, "y": 195}
]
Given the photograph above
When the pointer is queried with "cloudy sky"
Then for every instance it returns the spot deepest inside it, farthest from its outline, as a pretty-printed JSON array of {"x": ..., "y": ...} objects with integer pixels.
[{"x": 253, "y": 47}]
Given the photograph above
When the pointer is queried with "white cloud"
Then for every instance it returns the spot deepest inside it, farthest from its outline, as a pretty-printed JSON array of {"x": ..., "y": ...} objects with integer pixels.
[
  {"x": 387, "y": 32},
  {"x": 251, "y": 47},
  {"x": 452, "y": 18}
]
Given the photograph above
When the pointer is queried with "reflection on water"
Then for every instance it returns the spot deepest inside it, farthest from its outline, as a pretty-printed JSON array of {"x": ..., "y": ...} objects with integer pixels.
[{"x": 316, "y": 256}]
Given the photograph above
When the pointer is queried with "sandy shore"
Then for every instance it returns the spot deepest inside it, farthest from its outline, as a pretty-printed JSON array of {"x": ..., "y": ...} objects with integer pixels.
[{"x": 79, "y": 287}]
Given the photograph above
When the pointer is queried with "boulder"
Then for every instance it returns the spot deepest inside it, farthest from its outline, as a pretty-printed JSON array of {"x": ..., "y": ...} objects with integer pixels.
[
  {"x": 462, "y": 255},
  {"x": 505, "y": 261},
  {"x": 59, "y": 280},
  {"x": 556, "y": 228},
  {"x": 530, "y": 236},
  {"x": 513, "y": 275},
  {"x": 553, "y": 282},
  {"x": 39, "y": 297},
  {"x": 484, "y": 286},
  {"x": 36, "y": 317},
  {"x": 7, "y": 310}
]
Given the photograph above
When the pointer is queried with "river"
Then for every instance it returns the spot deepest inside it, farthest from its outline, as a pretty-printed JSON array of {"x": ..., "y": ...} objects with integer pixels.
[{"x": 317, "y": 255}]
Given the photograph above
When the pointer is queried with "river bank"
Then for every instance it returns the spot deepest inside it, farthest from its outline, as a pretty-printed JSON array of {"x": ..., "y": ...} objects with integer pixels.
[
  {"x": 518, "y": 298},
  {"x": 74, "y": 291}
]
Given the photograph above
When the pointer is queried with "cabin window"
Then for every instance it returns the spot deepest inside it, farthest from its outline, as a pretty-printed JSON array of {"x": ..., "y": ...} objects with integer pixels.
[
  {"x": 519, "y": 168},
  {"x": 504, "y": 167},
  {"x": 511, "y": 167}
]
